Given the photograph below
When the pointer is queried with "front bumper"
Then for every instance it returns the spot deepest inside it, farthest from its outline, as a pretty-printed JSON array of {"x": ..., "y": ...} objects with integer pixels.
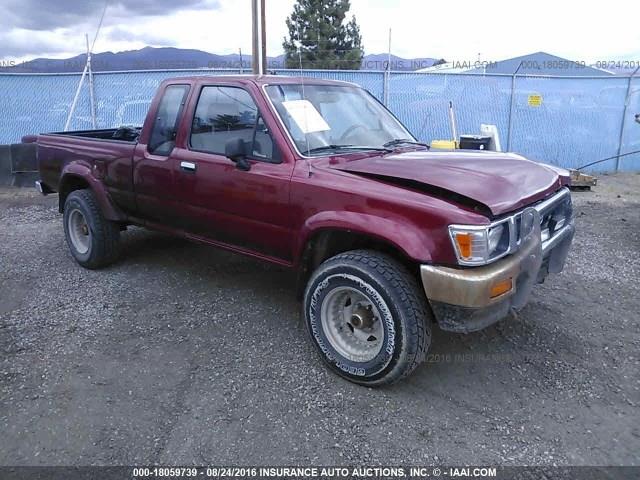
[{"x": 461, "y": 298}]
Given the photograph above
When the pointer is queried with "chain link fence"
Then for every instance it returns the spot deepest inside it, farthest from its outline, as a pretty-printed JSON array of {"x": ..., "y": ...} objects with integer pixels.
[{"x": 565, "y": 121}]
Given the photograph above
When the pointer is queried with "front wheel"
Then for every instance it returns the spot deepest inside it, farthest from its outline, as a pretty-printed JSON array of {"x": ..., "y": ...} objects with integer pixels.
[{"x": 367, "y": 317}]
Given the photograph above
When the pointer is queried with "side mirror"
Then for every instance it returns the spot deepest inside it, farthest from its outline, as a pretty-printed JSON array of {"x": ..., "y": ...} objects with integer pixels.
[{"x": 235, "y": 151}]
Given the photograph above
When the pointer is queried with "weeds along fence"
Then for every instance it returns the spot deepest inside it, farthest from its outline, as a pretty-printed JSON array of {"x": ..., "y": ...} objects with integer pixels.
[{"x": 565, "y": 121}]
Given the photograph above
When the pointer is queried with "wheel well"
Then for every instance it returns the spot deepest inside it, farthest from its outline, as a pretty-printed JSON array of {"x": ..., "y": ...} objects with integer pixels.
[
  {"x": 328, "y": 243},
  {"x": 69, "y": 184}
]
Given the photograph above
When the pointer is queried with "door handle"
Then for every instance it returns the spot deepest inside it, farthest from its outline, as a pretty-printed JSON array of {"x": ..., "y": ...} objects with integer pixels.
[{"x": 188, "y": 166}]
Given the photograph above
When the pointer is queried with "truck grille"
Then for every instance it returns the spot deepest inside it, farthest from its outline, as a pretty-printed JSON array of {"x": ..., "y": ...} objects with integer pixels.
[{"x": 555, "y": 213}]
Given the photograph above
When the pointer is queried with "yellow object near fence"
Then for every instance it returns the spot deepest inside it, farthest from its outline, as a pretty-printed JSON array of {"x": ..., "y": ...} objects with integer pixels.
[
  {"x": 534, "y": 100},
  {"x": 444, "y": 144}
]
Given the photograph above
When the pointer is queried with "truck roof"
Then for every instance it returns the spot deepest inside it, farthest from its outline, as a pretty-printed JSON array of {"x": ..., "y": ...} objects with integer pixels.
[{"x": 258, "y": 79}]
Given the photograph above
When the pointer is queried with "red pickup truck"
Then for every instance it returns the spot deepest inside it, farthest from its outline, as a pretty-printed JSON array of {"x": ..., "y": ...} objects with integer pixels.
[{"x": 386, "y": 235}]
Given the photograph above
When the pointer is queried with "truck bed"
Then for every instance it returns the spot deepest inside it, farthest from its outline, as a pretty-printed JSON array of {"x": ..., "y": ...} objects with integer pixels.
[
  {"x": 122, "y": 134},
  {"x": 106, "y": 153}
]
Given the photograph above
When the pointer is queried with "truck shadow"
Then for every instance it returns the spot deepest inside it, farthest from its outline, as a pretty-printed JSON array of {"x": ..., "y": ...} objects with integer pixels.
[{"x": 155, "y": 248}]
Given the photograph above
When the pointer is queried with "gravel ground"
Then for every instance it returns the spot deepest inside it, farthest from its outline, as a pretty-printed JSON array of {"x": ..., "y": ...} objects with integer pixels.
[{"x": 183, "y": 354}]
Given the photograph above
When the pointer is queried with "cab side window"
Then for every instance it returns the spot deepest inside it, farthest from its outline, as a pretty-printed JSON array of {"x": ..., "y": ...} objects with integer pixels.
[
  {"x": 163, "y": 133},
  {"x": 226, "y": 113}
]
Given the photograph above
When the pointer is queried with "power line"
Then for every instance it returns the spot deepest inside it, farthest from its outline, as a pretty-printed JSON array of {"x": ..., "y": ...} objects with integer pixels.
[{"x": 608, "y": 158}]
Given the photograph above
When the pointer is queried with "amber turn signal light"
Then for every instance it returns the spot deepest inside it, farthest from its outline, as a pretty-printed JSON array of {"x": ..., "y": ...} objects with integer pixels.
[
  {"x": 464, "y": 244},
  {"x": 501, "y": 288}
]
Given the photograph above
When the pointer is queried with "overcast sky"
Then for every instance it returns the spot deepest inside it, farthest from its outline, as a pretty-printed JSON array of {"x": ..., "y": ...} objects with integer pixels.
[{"x": 456, "y": 30}]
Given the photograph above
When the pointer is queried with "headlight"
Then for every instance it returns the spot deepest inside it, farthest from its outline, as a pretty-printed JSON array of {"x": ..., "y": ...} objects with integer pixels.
[
  {"x": 479, "y": 245},
  {"x": 494, "y": 236}
]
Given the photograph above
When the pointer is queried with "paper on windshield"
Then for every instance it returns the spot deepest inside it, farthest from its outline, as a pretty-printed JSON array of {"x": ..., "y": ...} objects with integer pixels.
[{"x": 306, "y": 116}]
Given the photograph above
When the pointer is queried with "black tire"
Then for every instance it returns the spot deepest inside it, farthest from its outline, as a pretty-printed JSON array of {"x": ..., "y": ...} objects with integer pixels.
[
  {"x": 405, "y": 317},
  {"x": 103, "y": 236}
]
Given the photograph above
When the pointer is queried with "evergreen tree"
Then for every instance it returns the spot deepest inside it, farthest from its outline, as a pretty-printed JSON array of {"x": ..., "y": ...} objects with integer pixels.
[{"x": 326, "y": 42}]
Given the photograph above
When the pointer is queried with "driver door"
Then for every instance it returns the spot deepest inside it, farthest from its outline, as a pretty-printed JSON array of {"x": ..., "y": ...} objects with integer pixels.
[{"x": 248, "y": 210}]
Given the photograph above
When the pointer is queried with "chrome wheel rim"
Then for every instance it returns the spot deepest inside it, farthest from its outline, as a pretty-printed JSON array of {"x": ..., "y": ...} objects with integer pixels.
[
  {"x": 79, "y": 232},
  {"x": 352, "y": 324}
]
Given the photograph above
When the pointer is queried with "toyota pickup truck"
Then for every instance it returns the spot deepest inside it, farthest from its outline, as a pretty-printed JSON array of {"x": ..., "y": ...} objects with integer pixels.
[{"x": 388, "y": 237}]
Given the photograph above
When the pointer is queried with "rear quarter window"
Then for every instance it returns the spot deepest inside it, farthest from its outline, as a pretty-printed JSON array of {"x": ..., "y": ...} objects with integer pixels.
[{"x": 165, "y": 125}]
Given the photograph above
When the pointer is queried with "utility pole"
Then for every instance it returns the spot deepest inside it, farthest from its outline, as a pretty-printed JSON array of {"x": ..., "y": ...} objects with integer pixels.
[
  {"x": 259, "y": 50},
  {"x": 387, "y": 75}
]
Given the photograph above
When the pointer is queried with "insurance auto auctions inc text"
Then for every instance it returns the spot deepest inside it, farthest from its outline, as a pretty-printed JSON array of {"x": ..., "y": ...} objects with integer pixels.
[{"x": 375, "y": 472}]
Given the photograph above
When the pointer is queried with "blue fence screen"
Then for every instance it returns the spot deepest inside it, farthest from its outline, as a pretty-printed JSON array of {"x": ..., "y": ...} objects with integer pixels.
[{"x": 564, "y": 121}]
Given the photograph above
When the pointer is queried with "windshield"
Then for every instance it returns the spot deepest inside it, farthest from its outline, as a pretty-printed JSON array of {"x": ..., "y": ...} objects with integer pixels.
[{"x": 336, "y": 117}]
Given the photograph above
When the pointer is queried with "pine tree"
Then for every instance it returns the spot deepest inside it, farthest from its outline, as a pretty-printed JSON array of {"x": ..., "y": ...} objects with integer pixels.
[{"x": 326, "y": 42}]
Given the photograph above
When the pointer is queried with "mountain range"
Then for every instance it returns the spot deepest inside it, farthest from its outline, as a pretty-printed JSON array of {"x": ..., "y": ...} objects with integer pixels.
[{"x": 150, "y": 58}]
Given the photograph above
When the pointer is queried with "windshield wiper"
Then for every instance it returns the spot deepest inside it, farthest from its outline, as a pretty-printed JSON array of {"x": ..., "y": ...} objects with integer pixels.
[
  {"x": 403, "y": 141},
  {"x": 338, "y": 148}
]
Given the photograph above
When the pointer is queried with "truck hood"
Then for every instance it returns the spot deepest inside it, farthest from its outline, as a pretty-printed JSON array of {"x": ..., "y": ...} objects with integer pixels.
[{"x": 501, "y": 182}]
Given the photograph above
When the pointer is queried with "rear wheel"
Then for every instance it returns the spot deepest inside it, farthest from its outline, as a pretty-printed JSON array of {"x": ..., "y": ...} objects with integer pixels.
[
  {"x": 367, "y": 317},
  {"x": 93, "y": 240}
]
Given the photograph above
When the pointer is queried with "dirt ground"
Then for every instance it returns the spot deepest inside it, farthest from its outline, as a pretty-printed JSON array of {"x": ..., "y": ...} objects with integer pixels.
[{"x": 183, "y": 354}]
